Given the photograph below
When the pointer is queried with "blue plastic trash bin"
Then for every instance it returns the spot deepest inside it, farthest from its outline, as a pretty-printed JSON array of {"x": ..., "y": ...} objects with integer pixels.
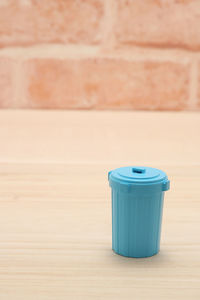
[{"x": 137, "y": 204}]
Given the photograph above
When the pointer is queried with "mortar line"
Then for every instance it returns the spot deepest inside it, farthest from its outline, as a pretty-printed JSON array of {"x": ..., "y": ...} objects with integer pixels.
[{"x": 76, "y": 52}]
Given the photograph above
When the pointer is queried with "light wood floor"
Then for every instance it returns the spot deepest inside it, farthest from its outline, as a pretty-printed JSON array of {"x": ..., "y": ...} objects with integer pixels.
[{"x": 55, "y": 212}]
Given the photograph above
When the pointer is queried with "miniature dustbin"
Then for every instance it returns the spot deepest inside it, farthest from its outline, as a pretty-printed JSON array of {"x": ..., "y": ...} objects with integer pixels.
[{"x": 137, "y": 205}]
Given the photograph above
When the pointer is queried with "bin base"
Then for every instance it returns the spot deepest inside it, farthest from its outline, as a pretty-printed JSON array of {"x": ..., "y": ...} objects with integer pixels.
[{"x": 136, "y": 256}]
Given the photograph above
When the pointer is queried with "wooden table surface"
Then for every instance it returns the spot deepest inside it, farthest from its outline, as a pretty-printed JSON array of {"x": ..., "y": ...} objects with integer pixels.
[{"x": 55, "y": 212}]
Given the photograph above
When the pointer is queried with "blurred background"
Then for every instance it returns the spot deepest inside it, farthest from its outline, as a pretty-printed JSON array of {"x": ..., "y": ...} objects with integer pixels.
[{"x": 100, "y": 54}]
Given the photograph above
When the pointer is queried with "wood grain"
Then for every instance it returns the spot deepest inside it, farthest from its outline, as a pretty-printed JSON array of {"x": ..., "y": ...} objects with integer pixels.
[{"x": 55, "y": 213}]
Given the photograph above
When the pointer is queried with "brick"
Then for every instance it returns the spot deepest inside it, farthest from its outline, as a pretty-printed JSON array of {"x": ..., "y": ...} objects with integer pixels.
[
  {"x": 6, "y": 83},
  {"x": 198, "y": 89},
  {"x": 107, "y": 83},
  {"x": 55, "y": 84},
  {"x": 162, "y": 23},
  {"x": 25, "y": 22}
]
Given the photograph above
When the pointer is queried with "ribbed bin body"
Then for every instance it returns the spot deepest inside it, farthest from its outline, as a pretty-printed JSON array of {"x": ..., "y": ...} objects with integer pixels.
[
  {"x": 136, "y": 223},
  {"x": 137, "y": 207}
]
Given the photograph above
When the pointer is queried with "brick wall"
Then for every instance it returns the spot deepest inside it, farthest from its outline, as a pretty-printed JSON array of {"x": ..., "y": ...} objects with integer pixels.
[{"x": 100, "y": 54}]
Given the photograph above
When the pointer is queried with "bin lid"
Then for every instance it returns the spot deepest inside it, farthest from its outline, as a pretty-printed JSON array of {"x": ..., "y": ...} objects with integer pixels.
[{"x": 138, "y": 175}]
